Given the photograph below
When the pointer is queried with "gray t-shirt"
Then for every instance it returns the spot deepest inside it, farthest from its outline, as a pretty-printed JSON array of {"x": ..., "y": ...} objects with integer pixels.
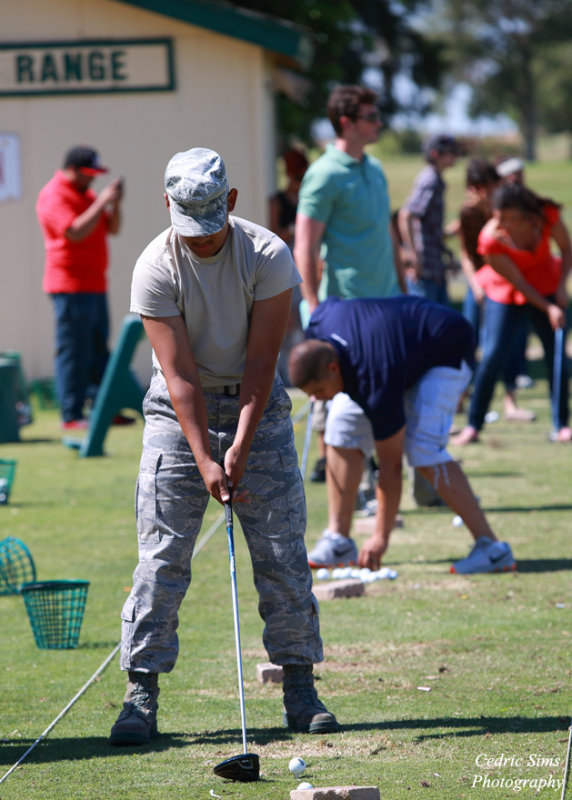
[{"x": 213, "y": 295}]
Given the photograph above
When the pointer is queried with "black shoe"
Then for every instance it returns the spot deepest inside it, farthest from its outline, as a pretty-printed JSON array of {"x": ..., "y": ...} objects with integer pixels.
[
  {"x": 137, "y": 723},
  {"x": 303, "y": 711},
  {"x": 318, "y": 474}
]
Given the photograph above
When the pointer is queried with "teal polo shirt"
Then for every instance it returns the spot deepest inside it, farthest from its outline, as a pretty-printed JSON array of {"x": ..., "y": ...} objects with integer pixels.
[{"x": 351, "y": 198}]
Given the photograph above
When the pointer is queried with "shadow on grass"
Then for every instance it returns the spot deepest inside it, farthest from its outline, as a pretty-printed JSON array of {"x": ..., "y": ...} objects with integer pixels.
[
  {"x": 543, "y": 564},
  {"x": 39, "y": 440},
  {"x": 90, "y": 747},
  {"x": 522, "y": 565},
  {"x": 444, "y": 509},
  {"x": 517, "y": 509}
]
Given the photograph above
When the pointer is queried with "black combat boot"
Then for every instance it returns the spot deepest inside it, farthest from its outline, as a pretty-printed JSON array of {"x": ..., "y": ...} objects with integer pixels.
[
  {"x": 303, "y": 711},
  {"x": 137, "y": 723}
]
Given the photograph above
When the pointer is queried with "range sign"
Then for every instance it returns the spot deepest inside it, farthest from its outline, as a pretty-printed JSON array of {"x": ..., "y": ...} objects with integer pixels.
[{"x": 87, "y": 67}]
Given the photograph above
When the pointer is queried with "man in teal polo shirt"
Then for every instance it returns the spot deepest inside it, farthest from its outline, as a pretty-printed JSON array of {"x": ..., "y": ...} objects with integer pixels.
[{"x": 344, "y": 247}]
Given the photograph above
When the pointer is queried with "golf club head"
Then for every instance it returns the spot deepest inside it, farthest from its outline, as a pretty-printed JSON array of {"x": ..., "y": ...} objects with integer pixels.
[{"x": 243, "y": 768}]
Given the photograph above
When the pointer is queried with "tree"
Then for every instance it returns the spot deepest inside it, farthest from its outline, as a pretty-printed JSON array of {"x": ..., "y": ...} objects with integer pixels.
[
  {"x": 553, "y": 76},
  {"x": 499, "y": 47},
  {"x": 350, "y": 36}
]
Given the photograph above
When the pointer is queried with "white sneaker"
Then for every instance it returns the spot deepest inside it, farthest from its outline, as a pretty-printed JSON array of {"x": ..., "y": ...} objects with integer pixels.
[
  {"x": 487, "y": 555},
  {"x": 333, "y": 550}
]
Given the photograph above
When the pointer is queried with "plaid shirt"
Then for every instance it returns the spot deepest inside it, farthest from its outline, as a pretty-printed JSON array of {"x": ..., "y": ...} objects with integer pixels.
[{"x": 426, "y": 202}]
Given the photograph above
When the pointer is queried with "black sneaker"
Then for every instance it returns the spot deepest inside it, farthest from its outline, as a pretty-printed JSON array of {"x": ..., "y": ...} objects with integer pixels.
[
  {"x": 303, "y": 711},
  {"x": 137, "y": 723},
  {"x": 318, "y": 474}
]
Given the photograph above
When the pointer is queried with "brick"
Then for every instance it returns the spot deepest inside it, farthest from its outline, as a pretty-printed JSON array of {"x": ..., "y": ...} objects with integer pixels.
[
  {"x": 336, "y": 793},
  {"x": 328, "y": 590},
  {"x": 269, "y": 673}
]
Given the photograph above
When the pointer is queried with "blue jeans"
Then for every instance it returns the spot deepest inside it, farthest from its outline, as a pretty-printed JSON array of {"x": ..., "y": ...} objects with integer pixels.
[
  {"x": 423, "y": 287},
  {"x": 502, "y": 325},
  {"x": 516, "y": 363},
  {"x": 82, "y": 330}
]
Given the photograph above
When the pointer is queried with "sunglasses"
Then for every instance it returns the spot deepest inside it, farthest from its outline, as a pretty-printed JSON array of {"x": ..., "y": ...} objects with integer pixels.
[{"x": 373, "y": 116}]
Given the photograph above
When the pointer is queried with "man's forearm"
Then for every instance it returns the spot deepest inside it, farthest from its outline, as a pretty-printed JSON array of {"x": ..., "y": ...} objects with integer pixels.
[
  {"x": 307, "y": 263},
  {"x": 255, "y": 390},
  {"x": 87, "y": 222},
  {"x": 388, "y": 493}
]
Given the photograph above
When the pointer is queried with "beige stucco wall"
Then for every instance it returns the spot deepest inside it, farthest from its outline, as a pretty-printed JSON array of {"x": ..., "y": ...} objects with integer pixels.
[{"x": 222, "y": 100}]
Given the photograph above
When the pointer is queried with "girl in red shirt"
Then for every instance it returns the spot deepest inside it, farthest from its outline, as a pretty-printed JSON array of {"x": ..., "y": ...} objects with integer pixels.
[{"x": 521, "y": 278}]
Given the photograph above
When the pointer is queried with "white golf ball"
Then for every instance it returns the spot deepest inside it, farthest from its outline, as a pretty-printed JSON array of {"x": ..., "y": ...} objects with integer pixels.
[
  {"x": 304, "y": 785},
  {"x": 457, "y": 521},
  {"x": 338, "y": 572},
  {"x": 323, "y": 574},
  {"x": 297, "y": 766}
]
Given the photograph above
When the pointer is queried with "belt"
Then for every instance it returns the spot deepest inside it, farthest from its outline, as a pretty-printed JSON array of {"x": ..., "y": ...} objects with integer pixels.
[{"x": 231, "y": 390}]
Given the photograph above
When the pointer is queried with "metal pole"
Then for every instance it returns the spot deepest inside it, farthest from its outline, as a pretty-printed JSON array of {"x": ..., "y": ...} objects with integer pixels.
[{"x": 64, "y": 711}]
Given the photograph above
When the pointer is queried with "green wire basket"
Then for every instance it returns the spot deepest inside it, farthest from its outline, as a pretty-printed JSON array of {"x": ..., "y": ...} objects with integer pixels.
[
  {"x": 16, "y": 565},
  {"x": 55, "y": 610},
  {"x": 7, "y": 470}
]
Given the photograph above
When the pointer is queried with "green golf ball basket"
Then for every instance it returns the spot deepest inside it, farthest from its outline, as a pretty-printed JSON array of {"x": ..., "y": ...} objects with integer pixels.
[
  {"x": 7, "y": 470},
  {"x": 55, "y": 610},
  {"x": 16, "y": 565}
]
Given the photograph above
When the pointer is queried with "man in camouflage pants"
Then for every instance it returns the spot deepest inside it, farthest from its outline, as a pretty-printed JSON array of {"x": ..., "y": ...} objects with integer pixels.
[{"x": 214, "y": 291}]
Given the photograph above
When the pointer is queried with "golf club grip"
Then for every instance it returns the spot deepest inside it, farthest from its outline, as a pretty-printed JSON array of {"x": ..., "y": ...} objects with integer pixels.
[{"x": 228, "y": 513}]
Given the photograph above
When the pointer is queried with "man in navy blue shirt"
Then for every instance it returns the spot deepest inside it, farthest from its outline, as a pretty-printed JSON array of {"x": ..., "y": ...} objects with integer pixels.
[{"x": 405, "y": 361}]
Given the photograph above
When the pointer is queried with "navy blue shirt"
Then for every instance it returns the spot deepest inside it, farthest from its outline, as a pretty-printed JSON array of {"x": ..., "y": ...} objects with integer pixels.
[{"x": 385, "y": 346}]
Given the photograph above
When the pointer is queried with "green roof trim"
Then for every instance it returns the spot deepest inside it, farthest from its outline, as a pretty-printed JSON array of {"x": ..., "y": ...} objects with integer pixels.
[{"x": 271, "y": 33}]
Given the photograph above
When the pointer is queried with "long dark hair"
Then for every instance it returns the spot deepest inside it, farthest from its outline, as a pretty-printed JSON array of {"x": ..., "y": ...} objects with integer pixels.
[{"x": 515, "y": 195}]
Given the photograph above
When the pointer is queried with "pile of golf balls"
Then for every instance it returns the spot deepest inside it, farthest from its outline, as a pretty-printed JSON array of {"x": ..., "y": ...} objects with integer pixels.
[
  {"x": 297, "y": 766},
  {"x": 365, "y": 575}
]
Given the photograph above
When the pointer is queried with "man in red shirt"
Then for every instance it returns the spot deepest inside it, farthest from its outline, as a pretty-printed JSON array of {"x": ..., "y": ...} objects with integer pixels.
[{"x": 75, "y": 222}]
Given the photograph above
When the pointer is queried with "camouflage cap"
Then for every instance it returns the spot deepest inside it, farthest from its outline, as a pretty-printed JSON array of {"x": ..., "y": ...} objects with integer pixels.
[{"x": 196, "y": 184}]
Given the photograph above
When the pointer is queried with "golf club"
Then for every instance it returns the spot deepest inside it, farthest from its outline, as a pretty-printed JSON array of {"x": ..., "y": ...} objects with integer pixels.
[
  {"x": 567, "y": 766},
  {"x": 307, "y": 439},
  {"x": 557, "y": 376},
  {"x": 245, "y": 767}
]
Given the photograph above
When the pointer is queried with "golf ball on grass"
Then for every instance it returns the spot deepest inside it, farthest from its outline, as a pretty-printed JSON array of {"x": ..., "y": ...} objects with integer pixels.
[
  {"x": 304, "y": 785},
  {"x": 323, "y": 574},
  {"x": 297, "y": 766},
  {"x": 457, "y": 521}
]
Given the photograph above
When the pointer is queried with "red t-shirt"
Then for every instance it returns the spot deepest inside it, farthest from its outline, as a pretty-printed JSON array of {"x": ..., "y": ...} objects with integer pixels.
[
  {"x": 71, "y": 267},
  {"x": 540, "y": 268}
]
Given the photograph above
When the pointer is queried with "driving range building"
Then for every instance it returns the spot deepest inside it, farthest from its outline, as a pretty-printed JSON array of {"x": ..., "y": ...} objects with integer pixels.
[{"x": 138, "y": 80}]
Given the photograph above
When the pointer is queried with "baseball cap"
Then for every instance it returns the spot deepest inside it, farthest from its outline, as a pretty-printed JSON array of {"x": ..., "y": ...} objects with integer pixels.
[
  {"x": 509, "y": 166},
  {"x": 442, "y": 143},
  {"x": 85, "y": 159},
  {"x": 196, "y": 184}
]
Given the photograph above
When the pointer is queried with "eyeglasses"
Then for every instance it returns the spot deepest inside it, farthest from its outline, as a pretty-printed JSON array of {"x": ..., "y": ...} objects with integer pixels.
[{"x": 373, "y": 116}]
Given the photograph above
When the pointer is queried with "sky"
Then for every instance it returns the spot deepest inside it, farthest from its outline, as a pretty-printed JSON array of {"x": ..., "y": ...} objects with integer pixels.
[{"x": 454, "y": 118}]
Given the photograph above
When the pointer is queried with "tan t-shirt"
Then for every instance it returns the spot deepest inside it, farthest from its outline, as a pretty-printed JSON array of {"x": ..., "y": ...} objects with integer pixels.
[{"x": 213, "y": 295}]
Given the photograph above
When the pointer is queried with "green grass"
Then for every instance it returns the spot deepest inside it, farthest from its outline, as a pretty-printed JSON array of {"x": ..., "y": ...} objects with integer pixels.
[{"x": 494, "y": 650}]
